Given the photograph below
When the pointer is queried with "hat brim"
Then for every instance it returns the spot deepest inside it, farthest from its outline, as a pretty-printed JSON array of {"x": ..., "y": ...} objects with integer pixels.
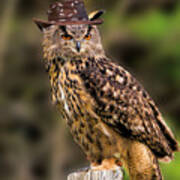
[{"x": 43, "y": 24}]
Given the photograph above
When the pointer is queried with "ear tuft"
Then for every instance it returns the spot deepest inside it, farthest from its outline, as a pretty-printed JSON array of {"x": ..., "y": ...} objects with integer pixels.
[
  {"x": 40, "y": 24},
  {"x": 96, "y": 14}
]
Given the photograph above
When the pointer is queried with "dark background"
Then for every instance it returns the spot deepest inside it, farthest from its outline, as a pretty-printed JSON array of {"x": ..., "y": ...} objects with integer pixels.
[{"x": 143, "y": 36}]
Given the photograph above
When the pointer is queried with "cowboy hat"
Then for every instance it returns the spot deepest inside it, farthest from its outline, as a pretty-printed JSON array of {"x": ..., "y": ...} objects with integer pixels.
[{"x": 69, "y": 12}]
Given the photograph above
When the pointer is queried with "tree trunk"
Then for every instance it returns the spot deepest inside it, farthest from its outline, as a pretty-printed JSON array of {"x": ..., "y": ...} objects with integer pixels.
[{"x": 97, "y": 175}]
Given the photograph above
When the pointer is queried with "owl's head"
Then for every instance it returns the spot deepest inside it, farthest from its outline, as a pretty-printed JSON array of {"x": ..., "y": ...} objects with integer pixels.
[{"x": 73, "y": 40}]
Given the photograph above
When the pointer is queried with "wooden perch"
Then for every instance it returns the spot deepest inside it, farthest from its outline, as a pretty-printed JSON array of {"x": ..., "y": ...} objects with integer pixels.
[{"x": 97, "y": 175}]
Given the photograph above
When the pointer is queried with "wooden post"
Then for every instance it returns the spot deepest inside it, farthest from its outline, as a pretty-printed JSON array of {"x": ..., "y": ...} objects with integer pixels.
[{"x": 97, "y": 175}]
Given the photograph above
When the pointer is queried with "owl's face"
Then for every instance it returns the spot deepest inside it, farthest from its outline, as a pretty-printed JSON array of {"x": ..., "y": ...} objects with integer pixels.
[{"x": 73, "y": 40}]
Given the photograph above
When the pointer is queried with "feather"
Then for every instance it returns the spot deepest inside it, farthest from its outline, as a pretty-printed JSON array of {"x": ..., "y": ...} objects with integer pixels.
[{"x": 96, "y": 14}]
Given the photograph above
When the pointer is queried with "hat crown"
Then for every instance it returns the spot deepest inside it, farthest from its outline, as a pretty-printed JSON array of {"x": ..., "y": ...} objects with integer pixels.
[{"x": 67, "y": 11}]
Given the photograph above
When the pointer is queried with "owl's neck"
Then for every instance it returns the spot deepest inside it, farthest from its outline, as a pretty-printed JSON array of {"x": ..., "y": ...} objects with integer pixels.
[{"x": 59, "y": 63}]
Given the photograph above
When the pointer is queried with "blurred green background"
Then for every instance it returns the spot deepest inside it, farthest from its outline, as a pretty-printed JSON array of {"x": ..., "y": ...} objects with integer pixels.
[{"x": 143, "y": 36}]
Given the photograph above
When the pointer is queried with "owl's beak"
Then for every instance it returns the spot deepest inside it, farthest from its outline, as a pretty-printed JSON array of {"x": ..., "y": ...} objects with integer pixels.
[{"x": 78, "y": 46}]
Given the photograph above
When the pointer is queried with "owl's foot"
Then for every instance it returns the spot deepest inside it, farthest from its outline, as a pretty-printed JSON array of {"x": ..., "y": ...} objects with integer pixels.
[{"x": 107, "y": 164}]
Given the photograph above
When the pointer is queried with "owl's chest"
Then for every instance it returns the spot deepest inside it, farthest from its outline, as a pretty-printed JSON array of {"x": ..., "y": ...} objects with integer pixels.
[
  {"x": 63, "y": 93},
  {"x": 68, "y": 91},
  {"x": 77, "y": 105},
  {"x": 63, "y": 100}
]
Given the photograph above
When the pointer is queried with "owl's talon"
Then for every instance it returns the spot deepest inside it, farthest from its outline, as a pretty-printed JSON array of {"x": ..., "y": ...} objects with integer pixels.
[{"x": 107, "y": 164}]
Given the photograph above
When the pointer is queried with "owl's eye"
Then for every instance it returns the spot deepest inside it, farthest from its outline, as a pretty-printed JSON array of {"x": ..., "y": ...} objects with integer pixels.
[
  {"x": 87, "y": 37},
  {"x": 66, "y": 37}
]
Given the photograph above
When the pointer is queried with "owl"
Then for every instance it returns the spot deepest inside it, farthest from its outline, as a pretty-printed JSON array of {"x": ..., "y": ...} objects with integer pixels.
[{"x": 110, "y": 115}]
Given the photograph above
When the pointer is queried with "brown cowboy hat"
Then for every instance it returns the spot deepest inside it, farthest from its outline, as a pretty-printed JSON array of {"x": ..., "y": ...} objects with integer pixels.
[{"x": 69, "y": 12}]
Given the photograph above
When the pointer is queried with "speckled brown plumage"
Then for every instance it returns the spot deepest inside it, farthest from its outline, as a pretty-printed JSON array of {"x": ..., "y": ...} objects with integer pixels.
[{"x": 109, "y": 113}]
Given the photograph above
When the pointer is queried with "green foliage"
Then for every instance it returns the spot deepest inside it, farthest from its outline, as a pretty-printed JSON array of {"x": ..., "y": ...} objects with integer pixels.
[{"x": 171, "y": 171}]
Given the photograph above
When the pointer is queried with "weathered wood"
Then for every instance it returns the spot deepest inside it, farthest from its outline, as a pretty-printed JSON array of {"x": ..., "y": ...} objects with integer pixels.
[{"x": 97, "y": 175}]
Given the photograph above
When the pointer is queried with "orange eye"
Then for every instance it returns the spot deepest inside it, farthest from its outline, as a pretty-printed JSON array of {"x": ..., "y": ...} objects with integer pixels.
[
  {"x": 88, "y": 37},
  {"x": 66, "y": 37}
]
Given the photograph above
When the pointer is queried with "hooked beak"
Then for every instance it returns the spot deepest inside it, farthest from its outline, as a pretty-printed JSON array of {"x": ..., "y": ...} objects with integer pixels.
[{"x": 78, "y": 46}]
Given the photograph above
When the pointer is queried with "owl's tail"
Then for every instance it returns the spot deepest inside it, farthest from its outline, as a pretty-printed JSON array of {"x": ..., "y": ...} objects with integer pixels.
[{"x": 140, "y": 162}]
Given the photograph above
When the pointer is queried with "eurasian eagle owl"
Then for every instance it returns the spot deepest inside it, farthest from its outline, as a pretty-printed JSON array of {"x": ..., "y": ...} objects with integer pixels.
[{"x": 109, "y": 113}]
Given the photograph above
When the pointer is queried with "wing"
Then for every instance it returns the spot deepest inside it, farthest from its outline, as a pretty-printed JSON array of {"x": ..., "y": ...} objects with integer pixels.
[{"x": 123, "y": 104}]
